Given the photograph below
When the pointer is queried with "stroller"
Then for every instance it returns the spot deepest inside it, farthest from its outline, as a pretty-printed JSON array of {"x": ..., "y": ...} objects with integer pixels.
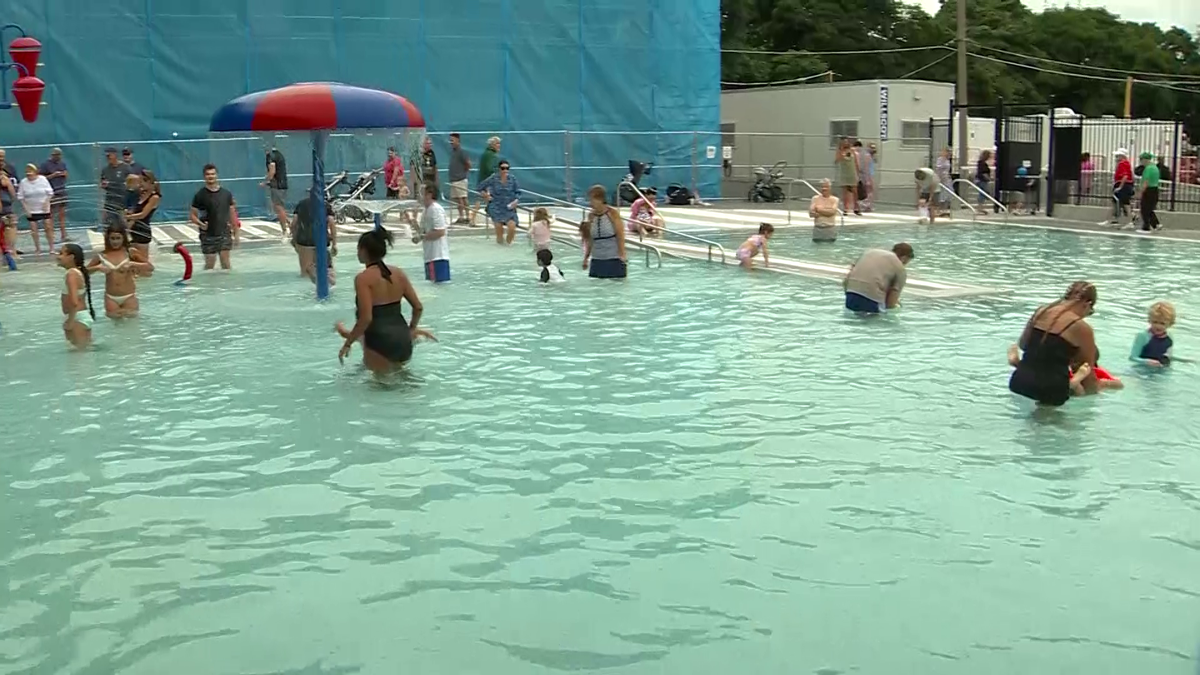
[
  {"x": 626, "y": 194},
  {"x": 766, "y": 188},
  {"x": 362, "y": 188},
  {"x": 332, "y": 186}
]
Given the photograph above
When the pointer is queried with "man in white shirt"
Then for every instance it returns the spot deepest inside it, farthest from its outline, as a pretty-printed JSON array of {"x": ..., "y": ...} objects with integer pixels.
[
  {"x": 433, "y": 237},
  {"x": 928, "y": 187}
]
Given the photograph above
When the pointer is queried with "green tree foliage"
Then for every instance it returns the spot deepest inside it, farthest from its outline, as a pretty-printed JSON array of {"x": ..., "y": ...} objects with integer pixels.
[{"x": 1091, "y": 37}]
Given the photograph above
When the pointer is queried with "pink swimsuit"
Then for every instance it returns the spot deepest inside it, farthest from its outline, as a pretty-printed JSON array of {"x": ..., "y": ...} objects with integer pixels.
[{"x": 750, "y": 248}]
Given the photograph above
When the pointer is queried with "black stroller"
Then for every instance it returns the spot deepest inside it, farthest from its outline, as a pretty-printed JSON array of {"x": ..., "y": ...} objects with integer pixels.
[
  {"x": 625, "y": 193},
  {"x": 766, "y": 186}
]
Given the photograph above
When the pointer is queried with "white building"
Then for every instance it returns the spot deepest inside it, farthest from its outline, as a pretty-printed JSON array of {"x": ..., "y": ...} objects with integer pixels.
[{"x": 802, "y": 125}]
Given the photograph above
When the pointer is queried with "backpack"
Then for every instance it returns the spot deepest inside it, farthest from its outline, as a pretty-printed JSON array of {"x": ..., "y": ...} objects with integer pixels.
[{"x": 678, "y": 195}]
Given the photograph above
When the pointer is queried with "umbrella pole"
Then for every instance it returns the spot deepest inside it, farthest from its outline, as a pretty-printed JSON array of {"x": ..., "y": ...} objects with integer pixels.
[{"x": 319, "y": 222}]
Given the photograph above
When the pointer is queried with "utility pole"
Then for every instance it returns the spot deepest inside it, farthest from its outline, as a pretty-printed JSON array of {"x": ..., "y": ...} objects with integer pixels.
[{"x": 960, "y": 91}]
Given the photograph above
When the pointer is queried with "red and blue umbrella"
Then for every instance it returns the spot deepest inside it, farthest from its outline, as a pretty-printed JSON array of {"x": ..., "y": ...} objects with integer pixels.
[{"x": 316, "y": 106}]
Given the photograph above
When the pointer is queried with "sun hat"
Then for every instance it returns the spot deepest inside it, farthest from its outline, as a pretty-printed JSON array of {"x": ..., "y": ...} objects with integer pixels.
[
  {"x": 1121, "y": 152},
  {"x": 1146, "y": 155}
]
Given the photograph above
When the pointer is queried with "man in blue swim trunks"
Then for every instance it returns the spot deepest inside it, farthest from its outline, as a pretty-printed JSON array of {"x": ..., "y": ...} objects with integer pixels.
[{"x": 874, "y": 283}]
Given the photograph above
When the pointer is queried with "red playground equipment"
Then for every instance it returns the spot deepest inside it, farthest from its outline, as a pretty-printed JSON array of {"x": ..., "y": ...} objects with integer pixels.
[
  {"x": 27, "y": 88},
  {"x": 27, "y": 92}
]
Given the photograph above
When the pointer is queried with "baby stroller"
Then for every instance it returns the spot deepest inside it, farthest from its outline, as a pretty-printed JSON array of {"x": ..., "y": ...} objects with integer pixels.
[
  {"x": 332, "y": 186},
  {"x": 362, "y": 188},
  {"x": 626, "y": 194},
  {"x": 766, "y": 188}
]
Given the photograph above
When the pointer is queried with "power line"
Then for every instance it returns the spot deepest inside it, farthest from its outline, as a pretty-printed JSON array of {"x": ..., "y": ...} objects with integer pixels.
[
  {"x": 926, "y": 66},
  {"x": 1084, "y": 66},
  {"x": 797, "y": 80},
  {"x": 850, "y": 52},
  {"x": 1099, "y": 78}
]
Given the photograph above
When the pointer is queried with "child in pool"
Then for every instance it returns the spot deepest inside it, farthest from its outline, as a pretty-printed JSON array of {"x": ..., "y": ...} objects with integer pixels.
[
  {"x": 78, "y": 314},
  {"x": 1152, "y": 347},
  {"x": 756, "y": 243},
  {"x": 1079, "y": 373},
  {"x": 550, "y": 273},
  {"x": 539, "y": 230}
]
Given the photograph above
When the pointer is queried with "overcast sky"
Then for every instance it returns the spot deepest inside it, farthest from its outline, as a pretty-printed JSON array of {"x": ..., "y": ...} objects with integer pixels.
[{"x": 1183, "y": 13}]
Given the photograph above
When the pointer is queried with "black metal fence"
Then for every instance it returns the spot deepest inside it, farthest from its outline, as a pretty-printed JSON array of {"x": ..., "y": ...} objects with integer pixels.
[
  {"x": 1042, "y": 158},
  {"x": 1088, "y": 152}
]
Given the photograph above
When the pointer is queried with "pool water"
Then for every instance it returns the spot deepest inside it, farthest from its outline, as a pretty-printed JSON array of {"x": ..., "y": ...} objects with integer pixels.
[{"x": 696, "y": 471}]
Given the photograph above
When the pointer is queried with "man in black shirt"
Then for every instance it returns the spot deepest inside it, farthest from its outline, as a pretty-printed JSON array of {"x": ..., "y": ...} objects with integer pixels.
[
  {"x": 429, "y": 167},
  {"x": 134, "y": 167},
  {"x": 212, "y": 213},
  {"x": 112, "y": 182},
  {"x": 277, "y": 184},
  {"x": 304, "y": 239}
]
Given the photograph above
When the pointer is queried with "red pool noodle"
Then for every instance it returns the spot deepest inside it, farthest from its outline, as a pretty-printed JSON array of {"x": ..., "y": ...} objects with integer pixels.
[{"x": 187, "y": 261}]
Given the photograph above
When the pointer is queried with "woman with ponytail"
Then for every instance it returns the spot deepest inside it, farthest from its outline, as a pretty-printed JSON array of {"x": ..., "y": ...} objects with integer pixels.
[
  {"x": 78, "y": 314},
  {"x": 141, "y": 213},
  {"x": 1056, "y": 341},
  {"x": 387, "y": 337}
]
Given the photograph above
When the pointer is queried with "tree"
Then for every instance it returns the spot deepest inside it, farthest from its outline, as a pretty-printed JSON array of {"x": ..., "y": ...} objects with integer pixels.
[{"x": 1000, "y": 30}]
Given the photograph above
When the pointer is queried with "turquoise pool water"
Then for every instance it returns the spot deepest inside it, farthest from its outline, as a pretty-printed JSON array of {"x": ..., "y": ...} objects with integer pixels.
[{"x": 696, "y": 471}]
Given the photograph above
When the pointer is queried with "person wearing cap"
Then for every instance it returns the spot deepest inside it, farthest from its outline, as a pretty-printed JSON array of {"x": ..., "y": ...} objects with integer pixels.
[
  {"x": 8, "y": 196},
  {"x": 112, "y": 185},
  {"x": 1148, "y": 192},
  {"x": 1122, "y": 186},
  {"x": 488, "y": 162},
  {"x": 276, "y": 182},
  {"x": 55, "y": 171},
  {"x": 134, "y": 167}
]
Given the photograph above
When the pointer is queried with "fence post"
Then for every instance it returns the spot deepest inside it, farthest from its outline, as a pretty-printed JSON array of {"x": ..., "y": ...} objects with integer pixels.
[
  {"x": 695, "y": 149},
  {"x": 567, "y": 164},
  {"x": 1050, "y": 184},
  {"x": 1174, "y": 162},
  {"x": 998, "y": 139},
  {"x": 949, "y": 132},
  {"x": 931, "y": 139}
]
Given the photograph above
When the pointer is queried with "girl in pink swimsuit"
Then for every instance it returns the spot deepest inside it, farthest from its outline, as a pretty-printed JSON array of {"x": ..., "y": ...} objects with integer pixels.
[{"x": 756, "y": 243}]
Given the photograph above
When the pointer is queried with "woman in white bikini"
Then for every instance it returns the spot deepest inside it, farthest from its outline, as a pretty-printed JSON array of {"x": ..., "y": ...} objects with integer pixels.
[
  {"x": 120, "y": 271},
  {"x": 78, "y": 314}
]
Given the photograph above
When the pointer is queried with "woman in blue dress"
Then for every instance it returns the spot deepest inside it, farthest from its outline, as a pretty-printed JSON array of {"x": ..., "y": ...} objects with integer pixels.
[{"x": 502, "y": 194}]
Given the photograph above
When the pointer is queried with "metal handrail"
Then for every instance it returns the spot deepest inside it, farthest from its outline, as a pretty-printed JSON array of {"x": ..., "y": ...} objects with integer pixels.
[
  {"x": 947, "y": 189},
  {"x": 647, "y": 248},
  {"x": 983, "y": 192},
  {"x": 793, "y": 181},
  {"x": 710, "y": 243}
]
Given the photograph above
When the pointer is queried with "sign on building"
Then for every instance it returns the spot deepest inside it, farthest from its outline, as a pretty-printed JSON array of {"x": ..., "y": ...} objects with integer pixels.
[{"x": 883, "y": 112}]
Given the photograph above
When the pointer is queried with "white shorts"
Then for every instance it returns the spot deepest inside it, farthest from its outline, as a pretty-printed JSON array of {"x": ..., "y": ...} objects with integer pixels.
[{"x": 458, "y": 189}]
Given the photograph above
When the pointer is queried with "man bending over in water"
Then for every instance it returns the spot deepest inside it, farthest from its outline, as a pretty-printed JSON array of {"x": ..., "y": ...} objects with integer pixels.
[{"x": 874, "y": 283}]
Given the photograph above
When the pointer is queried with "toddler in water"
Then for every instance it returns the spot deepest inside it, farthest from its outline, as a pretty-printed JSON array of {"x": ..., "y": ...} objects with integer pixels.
[
  {"x": 539, "y": 230},
  {"x": 1079, "y": 373},
  {"x": 756, "y": 243},
  {"x": 550, "y": 272},
  {"x": 1152, "y": 347}
]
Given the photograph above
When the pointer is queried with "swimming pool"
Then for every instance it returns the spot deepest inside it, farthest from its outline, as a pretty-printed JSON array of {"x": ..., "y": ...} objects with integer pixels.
[{"x": 699, "y": 470}]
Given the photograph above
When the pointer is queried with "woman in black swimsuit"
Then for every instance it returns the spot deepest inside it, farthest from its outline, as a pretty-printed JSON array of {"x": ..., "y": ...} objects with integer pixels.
[
  {"x": 139, "y": 216},
  {"x": 1056, "y": 340},
  {"x": 387, "y": 337}
]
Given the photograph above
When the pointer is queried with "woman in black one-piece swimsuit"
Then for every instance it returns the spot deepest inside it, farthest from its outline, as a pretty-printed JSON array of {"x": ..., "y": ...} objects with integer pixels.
[
  {"x": 139, "y": 217},
  {"x": 387, "y": 337},
  {"x": 1048, "y": 354}
]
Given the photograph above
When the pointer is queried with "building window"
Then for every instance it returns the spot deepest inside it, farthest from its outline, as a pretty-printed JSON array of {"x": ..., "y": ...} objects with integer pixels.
[
  {"x": 839, "y": 129},
  {"x": 729, "y": 134},
  {"x": 914, "y": 134}
]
